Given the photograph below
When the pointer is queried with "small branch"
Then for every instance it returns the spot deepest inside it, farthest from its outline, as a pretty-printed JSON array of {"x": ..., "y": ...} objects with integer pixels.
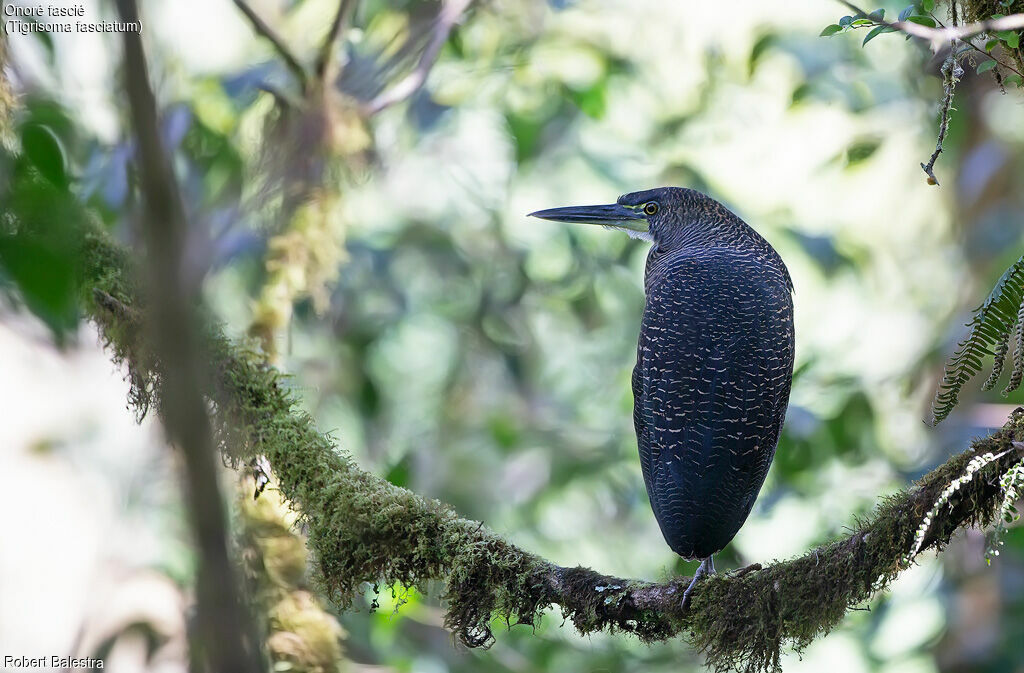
[
  {"x": 938, "y": 36},
  {"x": 222, "y": 639},
  {"x": 262, "y": 28},
  {"x": 941, "y": 30},
  {"x": 984, "y": 53},
  {"x": 951, "y": 72},
  {"x": 341, "y": 19},
  {"x": 449, "y": 15}
]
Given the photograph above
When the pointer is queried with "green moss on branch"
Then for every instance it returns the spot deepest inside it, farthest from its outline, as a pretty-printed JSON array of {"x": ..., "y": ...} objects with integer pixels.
[{"x": 364, "y": 529}]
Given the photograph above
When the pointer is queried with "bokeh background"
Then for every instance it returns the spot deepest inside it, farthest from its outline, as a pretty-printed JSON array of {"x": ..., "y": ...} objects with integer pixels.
[{"x": 483, "y": 358}]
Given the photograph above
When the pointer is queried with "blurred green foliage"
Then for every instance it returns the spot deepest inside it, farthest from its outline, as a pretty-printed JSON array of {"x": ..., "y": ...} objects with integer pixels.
[{"x": 40, "y": 224}]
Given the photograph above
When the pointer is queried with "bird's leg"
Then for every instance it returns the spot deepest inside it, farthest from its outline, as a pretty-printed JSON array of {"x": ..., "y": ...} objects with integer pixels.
[{"x": 706, "y": 567}]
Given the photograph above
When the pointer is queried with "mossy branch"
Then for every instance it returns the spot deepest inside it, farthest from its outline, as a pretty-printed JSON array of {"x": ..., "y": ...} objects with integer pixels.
[{"x": 365, "y": 529}]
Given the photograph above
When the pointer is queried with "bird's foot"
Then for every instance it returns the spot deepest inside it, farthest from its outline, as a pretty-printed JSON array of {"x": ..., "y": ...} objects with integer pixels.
[{"x": 706, "y": 567}]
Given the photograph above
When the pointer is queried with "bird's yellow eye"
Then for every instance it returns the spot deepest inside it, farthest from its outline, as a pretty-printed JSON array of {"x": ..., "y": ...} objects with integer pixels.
[{"x": 650, "y": 208}]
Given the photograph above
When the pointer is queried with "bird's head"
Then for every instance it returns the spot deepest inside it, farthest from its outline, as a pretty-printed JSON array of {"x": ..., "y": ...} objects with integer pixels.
[{"x": 668, "y": 216}]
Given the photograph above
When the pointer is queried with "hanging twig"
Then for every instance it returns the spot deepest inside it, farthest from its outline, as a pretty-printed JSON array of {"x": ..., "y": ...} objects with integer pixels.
[
  {"x": 951, "y": 72},
  {"x": 341, "y": 19},
  {"x": 449, "y": 15},
  {"x": 264, "y": 29}
]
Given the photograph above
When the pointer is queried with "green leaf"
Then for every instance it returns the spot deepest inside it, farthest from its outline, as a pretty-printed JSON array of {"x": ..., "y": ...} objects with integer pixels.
[
  {"x": 1011, "y": 38},
  {"x": 400, "y": 472},
  {"x": 877, "y": 15},
  {"x": 43, "y": 148},
  {"x": 922, "y": 20},
  {"x": 985, "y": 66},
  {"x": 991, "y": 44},
  {"x": 800, "y": 93},
  {"x": 761, "y": 46},
  {"x": 876, "y": 31},
  {"x": 845, "y": 21},
  {"x": 830, "y": 30},
  {"x": 1014, "y": 79},
  {"x": 907, "y": 11},
  {"x": 862, "y": 22},
  {"x": 861, "y": 150},
  {"x": 39, "y": 253},
  {"x": 592, "y": 101},
  {"x": 527, "y": 130},
  {"x": 928, "y": 5}
]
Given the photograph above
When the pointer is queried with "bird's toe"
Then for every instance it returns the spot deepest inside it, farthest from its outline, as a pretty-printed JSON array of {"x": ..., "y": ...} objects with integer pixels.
[{"x": 706, "y": 566}]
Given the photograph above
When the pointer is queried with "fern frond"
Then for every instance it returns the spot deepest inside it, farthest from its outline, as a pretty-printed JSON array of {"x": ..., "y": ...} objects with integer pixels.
[
  {"x": 1012, "y": 486},
  {"x": 997, "y": 317},
  {"x": 1018, "y": 355},
  {"x": 973, "y": 467},
  {"x": 1002, "y": 347}
]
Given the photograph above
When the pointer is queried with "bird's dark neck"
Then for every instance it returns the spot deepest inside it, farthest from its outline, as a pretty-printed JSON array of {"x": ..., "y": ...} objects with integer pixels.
[{"x": 713, "y": 231}]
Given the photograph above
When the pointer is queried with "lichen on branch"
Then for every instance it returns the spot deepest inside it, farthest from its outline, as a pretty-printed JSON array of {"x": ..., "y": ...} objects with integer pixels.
[{"x": 363, "y": 529}]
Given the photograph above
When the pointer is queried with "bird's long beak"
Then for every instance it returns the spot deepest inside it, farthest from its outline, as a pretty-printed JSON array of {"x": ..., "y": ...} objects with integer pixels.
[{"x": 611, "y": 215}]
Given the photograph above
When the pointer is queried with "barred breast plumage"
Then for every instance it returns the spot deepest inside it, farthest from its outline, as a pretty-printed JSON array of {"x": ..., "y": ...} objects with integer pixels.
[{"x": 711, "y": 387}]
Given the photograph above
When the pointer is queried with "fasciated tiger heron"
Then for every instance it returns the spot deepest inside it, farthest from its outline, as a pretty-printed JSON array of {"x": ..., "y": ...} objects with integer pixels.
[{"x": 714, "y": 362}]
